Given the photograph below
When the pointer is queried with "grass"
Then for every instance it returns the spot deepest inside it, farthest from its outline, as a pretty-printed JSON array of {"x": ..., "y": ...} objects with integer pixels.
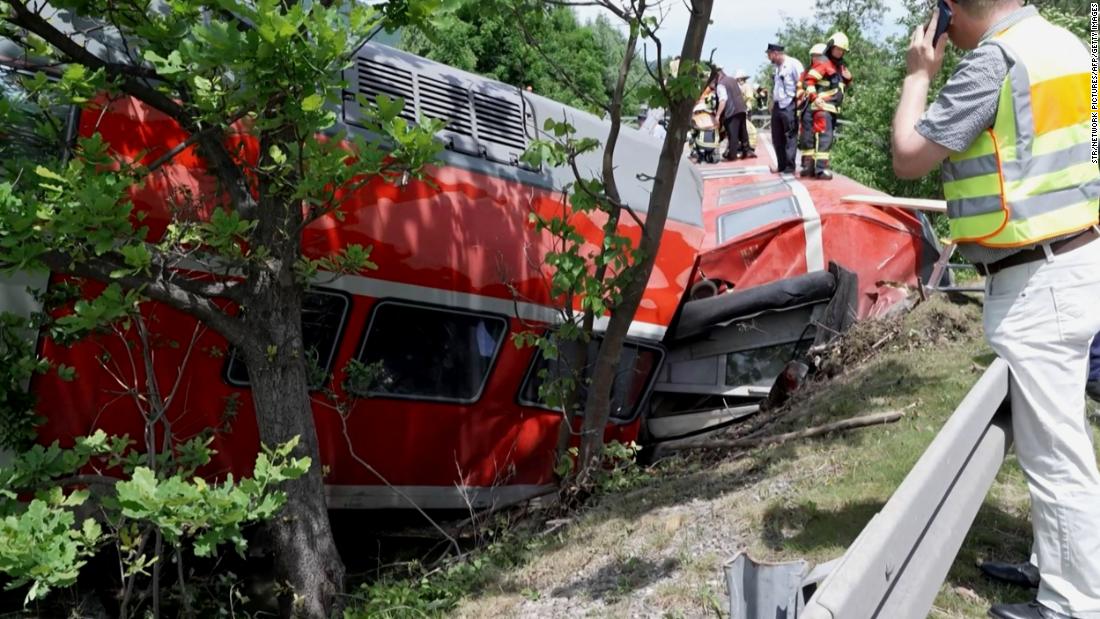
[{"x": 658, "y": 549}]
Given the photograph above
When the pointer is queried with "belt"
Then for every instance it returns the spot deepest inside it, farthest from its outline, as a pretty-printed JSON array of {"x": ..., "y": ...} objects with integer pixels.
[{"x": 1038, "y": 253}]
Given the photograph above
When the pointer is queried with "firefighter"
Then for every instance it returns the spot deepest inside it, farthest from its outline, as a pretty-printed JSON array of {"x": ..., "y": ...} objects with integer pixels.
[
  {"x": 826, "y": 82},
  {"x": 806, "y": 140}
]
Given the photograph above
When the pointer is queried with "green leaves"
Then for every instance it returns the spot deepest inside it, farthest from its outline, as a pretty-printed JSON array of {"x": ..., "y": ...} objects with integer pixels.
[
  {"x": 165, "y": 66},
  {"x": 312, "y": 103},
  {"x": 351, "y": 260},
  {"x": 44, "y": 547},
  {"x": 112, "y": 305},
  {"x": 41, "y": 542},
  {"x": 210, "y": 513},
  {"x": 18, "y": 364}
]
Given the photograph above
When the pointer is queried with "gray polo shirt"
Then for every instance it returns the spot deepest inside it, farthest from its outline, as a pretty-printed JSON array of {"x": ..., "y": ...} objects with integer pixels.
[{"x": 967, "y": 106}]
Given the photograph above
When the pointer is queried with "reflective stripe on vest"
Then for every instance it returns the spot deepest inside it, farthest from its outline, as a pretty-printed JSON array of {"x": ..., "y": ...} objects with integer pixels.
[{"x": 1030, "y": 177}]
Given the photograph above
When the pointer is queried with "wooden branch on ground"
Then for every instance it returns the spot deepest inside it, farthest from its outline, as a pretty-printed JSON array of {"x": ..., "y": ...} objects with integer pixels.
[{"x": 778, "y": 439}]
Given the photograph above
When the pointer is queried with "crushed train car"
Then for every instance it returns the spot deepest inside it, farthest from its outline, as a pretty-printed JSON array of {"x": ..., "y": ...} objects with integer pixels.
[
  {"x": 753, "y": 267},
  {"x": 786, "y": 265}
]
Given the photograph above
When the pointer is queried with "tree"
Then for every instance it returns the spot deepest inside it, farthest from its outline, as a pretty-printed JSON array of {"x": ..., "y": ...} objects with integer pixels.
[
  {"x": 248, "y": 82},
  {"x": 576, "y": 64},
  {"x": 613, "y": 280},
  {"x": 850, "y": 16}
]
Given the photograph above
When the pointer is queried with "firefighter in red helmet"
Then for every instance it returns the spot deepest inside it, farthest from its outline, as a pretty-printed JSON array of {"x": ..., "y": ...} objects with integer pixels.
[{"x": 825, "y": 84}]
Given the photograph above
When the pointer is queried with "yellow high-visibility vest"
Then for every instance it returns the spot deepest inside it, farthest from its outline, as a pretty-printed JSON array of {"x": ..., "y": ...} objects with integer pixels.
[{"x": 1031, "y": 176}]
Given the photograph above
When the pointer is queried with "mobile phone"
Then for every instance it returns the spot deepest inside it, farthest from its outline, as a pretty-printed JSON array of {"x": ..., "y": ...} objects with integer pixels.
[{"x": 943, "y": 22}]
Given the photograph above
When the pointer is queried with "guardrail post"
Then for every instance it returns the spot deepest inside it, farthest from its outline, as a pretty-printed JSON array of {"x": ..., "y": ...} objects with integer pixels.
[{"x": 894, "y": 569}]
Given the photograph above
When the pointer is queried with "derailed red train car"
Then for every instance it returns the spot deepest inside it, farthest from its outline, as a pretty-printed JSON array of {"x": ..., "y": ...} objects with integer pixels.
[
  {"x": 786, "y": 265},
  {"x": 455, "y": 413}
]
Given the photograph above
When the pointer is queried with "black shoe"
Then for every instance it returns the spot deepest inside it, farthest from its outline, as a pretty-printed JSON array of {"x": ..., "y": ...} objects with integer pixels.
[
  {"x": 1092, "y": 388},
  {"x": 749, "y": 155},
  {"x": 1031, "y": 610},
  {"x": 1019, "y": 574}
]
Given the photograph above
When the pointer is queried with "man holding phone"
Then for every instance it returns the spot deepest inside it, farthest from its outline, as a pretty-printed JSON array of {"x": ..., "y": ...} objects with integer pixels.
[{"x": 1011, "y": 127}]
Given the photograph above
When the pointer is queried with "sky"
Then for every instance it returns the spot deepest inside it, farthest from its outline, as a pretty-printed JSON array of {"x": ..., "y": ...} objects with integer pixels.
[{"x": 742, "y": 29}]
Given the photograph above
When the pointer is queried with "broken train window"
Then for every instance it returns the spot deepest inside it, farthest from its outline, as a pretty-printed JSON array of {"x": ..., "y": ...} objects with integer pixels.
[
  {"x": 760, "y": 366},
  {"x": 636, "y": 371}
]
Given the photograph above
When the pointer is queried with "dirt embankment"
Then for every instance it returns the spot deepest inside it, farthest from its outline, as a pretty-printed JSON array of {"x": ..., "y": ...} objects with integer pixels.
[{"x": 933, "y": 323}]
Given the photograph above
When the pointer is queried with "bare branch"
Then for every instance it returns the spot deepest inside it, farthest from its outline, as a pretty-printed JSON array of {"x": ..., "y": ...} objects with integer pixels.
[
  {"x": 24, "y": 17},
  {"x": 342, "y": 413},
  {"x": 162, "y": 285},
  {"x": 183, "y": 365},
  {"x": 562, "y": 75},
  {"x": 191, "y": 140}
]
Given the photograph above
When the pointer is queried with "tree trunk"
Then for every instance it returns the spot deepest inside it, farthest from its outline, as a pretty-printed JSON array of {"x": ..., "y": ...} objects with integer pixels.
[
  {"x": 597, "y": 409},
  {"x": 306, "y": 558},
  {"x": 614, "y": 108}
]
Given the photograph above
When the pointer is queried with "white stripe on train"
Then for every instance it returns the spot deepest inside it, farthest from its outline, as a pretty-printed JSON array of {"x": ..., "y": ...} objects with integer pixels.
[
  {"x": 811, "y": 222},
  {"x": 380, "y": 288}
]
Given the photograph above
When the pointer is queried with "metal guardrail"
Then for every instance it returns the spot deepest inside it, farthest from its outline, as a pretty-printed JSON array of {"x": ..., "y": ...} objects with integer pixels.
[{"x": 896, "y": 566}]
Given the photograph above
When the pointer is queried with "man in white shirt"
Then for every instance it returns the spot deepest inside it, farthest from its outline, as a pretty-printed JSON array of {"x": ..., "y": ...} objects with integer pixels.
[{"x": 784, "y": 125}]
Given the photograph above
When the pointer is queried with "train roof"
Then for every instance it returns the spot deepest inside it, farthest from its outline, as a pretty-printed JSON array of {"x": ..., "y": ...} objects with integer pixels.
[{"x": 490, "y": 124}]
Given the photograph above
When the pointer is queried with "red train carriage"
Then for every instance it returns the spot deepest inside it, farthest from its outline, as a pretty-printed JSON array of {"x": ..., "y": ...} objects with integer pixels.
[
  {"x": 454, "y": 414},
  {"x": 750, "y": 266}
]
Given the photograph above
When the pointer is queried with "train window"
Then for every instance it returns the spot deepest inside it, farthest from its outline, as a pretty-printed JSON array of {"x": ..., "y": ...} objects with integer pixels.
[
  {"x": 427, "y": 353},
  {"x": 739, "y": 222},
  {"x": 637, "y": 368},
  {"x": 732, "y": 195},
  {"x": 759, "y": 366},
  {"x": 323, "y": 317}
]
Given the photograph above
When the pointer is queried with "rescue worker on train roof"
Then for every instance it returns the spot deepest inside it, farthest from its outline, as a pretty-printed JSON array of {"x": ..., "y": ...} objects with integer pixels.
[
  {"x": 824, "y": 86},
  {"x": 805, "y": 114},
  {"x": 1013, "y": 129},
  {"x": 749, "y": 94},
  {"x": 732, "y": 114},
  {"x": 784, "y": 122}
]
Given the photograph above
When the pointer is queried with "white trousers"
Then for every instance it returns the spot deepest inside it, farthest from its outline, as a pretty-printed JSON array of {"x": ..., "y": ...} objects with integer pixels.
[{"x": 1040, "y": 318}]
